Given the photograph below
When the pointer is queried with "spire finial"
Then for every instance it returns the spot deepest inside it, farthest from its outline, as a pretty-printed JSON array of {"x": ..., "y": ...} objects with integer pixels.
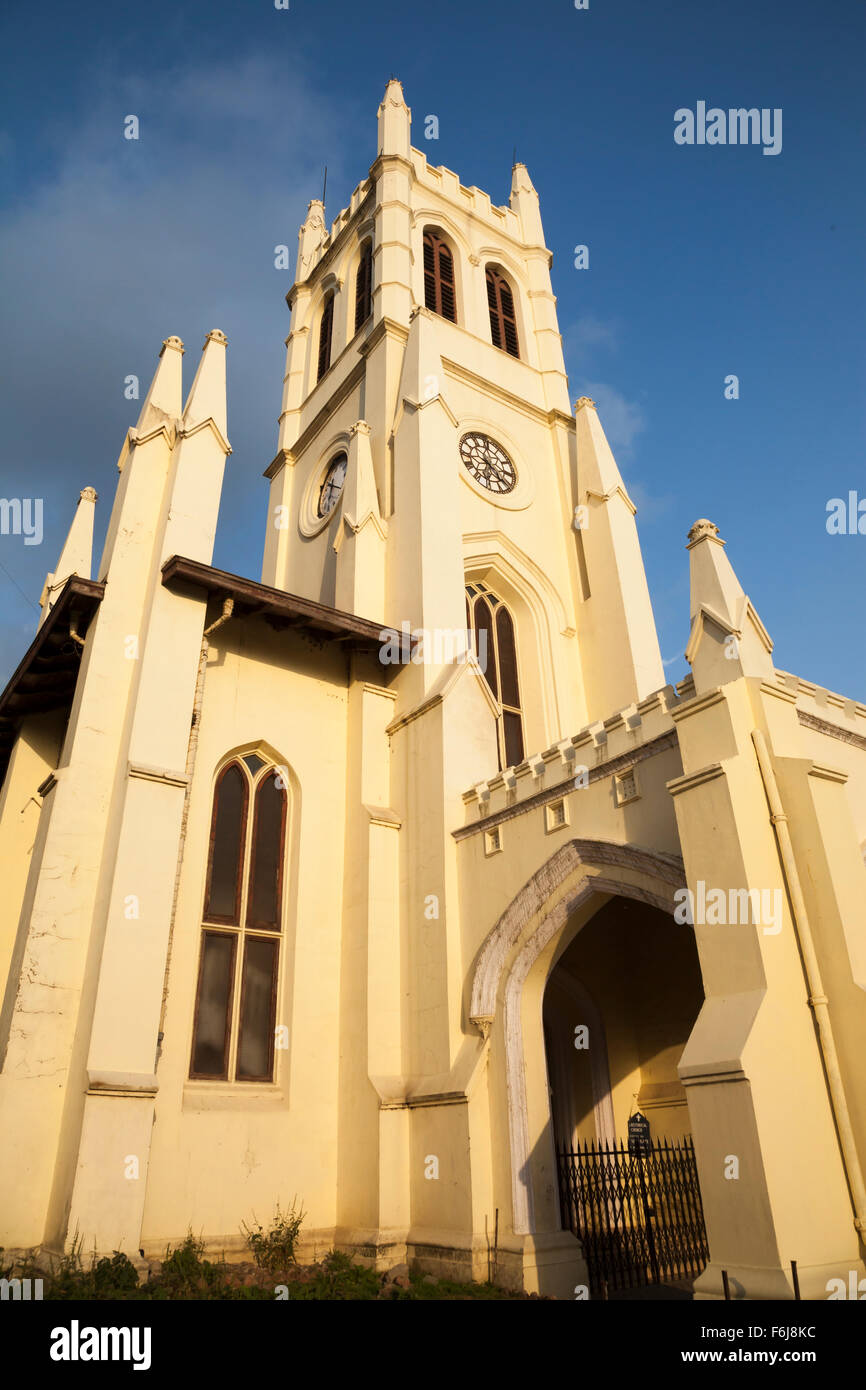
[
  {"x": 702, "y": 530},
  {"x": 207, "y": 397},
  {"x": 163, "y": 401},
  {"x": 76, "y": 557},
  {"x": 727, "y": 637},
  {"x": 395, "y": 120}
]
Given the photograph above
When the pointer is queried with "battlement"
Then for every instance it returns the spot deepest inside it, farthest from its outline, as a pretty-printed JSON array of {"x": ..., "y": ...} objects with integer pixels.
[
  {"x": 439, "y": 180},
  {"x": 608, "y": 747},
  {"x": 475, "y": 201},
  {"x": 824, "y": 712},
  {"x": 825, "y": 701},
  {"x": 344, "y": 217}
]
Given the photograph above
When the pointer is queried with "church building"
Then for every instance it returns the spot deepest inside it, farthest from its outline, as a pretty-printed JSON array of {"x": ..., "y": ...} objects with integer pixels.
[{"x": 398, "y": 881}]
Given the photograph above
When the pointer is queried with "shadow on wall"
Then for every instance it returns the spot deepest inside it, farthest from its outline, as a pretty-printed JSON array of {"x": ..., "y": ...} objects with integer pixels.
[{"x": 618, "y": 1009}]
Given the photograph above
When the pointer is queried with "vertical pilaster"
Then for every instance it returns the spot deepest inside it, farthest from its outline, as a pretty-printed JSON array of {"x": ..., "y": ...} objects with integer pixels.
[
  {"x": 361, "y": 539},
  {"x": 618, "y": 642},
  {"x": 542, "y": 301},
  {"x": 121, "y": 1060},
  {"x": 46, "y": 1019},
  {"x": 761, "y": 1141}
]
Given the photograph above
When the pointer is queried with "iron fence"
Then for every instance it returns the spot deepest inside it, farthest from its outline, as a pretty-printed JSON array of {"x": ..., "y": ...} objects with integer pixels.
[{"x": 638, "y": 1216}]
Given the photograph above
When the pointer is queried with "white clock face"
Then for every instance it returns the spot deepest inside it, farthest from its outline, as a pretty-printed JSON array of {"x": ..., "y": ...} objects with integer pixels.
[
  {"x": 333, "y": 485},
  {"x": 488, "y": 464}
]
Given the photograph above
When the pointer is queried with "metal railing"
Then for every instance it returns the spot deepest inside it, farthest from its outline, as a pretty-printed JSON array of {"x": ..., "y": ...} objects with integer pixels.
[{"x": 638, "y": 1216}]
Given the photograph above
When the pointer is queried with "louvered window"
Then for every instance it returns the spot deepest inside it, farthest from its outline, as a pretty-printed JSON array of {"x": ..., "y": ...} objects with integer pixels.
[
  {"x": 364, "y": 285},
  {"x": 439, "y": 292},
  {"x": 326, "y": 328},
  {"x": 492, "y": 629},
  {"x": 503, "y": 319},
  {"x": 236, "y": 996}
]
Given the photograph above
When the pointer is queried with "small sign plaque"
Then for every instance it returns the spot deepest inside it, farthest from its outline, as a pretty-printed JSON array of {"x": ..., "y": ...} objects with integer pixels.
[{"x": 639, "y": 1141}]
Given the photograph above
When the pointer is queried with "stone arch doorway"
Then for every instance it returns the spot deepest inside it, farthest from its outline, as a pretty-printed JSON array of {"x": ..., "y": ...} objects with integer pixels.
[
  {"x": 593, "y": 887},
  {"x": 618, "y": 1007}
]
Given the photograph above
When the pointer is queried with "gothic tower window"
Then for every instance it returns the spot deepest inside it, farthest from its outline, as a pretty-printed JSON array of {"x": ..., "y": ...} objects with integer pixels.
[
  {"x": 439, "y": 291},
  {"x": 235, "y": 1010},
  {"x": 503, "y": 319},
  {"x": 326, "y": 328},
  {"x": 492, "y": 628},
  {"x": 364, "y": 285}
]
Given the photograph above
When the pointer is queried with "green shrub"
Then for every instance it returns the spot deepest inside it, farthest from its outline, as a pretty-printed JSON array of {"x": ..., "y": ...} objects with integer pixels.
[
  {"x": 275, "y": 1249},
  {"x": 185, "y": 1274}
]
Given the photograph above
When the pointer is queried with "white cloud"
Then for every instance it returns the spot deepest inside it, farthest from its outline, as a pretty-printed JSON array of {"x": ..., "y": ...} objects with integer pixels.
[
  {"x": 582, "y": 339},
  {"x": 623, "y": 420}
]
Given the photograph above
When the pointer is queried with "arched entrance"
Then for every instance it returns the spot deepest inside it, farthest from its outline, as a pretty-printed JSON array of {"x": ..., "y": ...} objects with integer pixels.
[
  {"x": 630, "y": 981},
  {"x": 618, "y": 1007},
  {"x": 636, "y": 982}
]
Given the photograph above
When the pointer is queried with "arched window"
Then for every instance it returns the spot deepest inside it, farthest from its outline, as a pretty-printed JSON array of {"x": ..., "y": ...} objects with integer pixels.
[
  {"x": 364, "y": 285},
  {"x": 439, "y": 292},
  {"x": 492, "y": 628},
  {"x": 326, "y": 328},
  {"x": 503, "y": 319},
  {"x": 235, "y": 1010}
]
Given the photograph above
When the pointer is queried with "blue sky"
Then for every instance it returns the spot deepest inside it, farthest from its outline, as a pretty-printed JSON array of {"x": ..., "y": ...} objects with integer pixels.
[{"x": 704, "y": 261}]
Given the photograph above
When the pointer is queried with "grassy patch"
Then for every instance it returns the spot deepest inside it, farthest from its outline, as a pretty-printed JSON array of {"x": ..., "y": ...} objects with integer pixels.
[{"x": 273, "y": 1274}]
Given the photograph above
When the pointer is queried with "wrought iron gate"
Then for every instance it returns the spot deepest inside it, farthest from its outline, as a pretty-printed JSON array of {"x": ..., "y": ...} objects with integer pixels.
[{"x": 638, "y": 1216}]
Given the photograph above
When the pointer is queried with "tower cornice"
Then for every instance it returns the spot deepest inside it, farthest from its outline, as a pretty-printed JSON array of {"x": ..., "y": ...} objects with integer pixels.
[{"x": 383, "y": 161}]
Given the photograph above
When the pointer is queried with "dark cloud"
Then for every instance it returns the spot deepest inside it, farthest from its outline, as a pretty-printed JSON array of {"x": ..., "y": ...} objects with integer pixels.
[{"x": 121, "y": 243}]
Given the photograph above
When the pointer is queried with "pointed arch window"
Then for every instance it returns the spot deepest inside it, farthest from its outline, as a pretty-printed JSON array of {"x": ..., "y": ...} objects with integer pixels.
[
  {"x": 439, "y": 290},
  {"x": 236, "y": 994},
  {"x": 503, "y": 319},
  {"x": 326, "y": 329},
  {"x": 492, "y": 627},
  {"x": 364, "y": 286}
]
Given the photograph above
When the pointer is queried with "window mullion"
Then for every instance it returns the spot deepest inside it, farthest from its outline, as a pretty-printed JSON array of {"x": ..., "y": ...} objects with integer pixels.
[{"x": 438, "y": 273}]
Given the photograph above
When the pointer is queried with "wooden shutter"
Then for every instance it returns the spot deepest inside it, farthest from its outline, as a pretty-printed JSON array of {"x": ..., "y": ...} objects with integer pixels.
[
  {"x": 439, "y": 289},
  {"x": 493, "y": 306},
  {"x": 364, "y": 286},
  {"x": 503, "y": 318},
  {"x": 325, "y": 329}
]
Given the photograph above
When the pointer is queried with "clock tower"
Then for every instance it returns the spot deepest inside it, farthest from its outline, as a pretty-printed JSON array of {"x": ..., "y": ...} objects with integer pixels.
[{"x": 430, "y": 470}]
